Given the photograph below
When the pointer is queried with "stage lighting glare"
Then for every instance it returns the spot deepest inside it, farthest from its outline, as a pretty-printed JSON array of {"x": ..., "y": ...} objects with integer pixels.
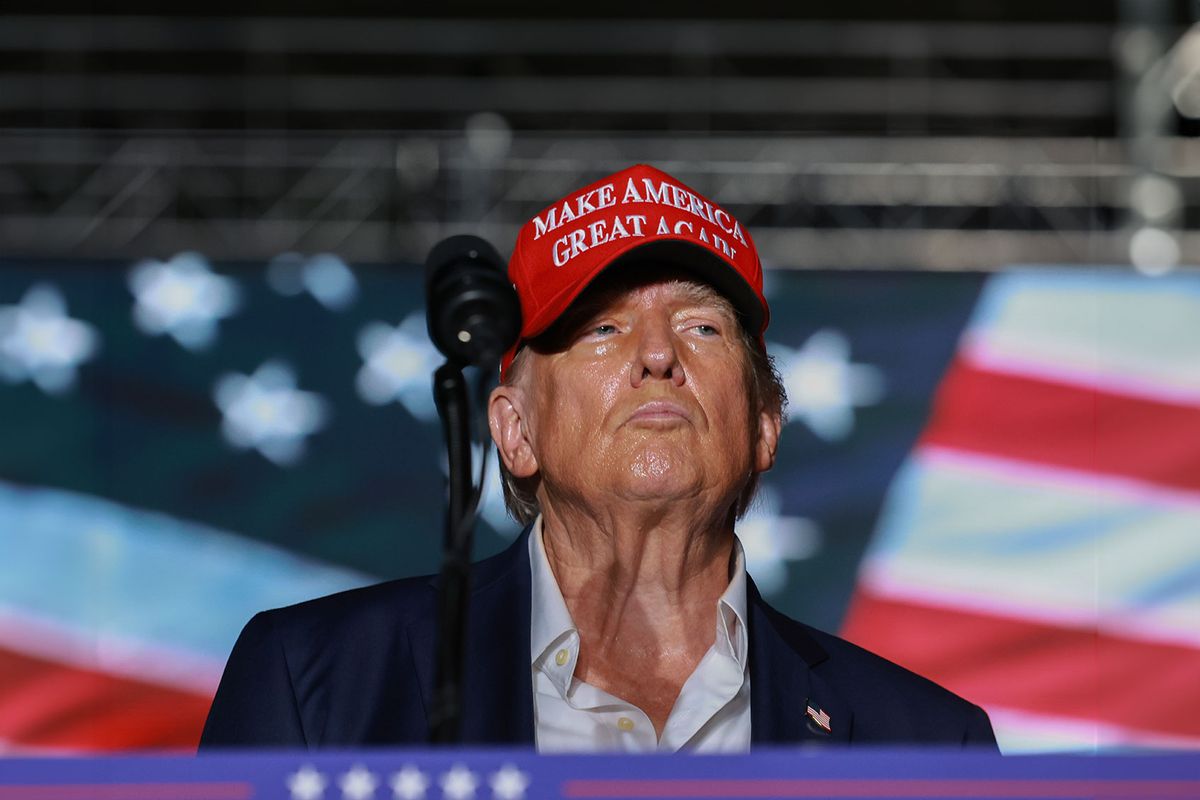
[
  {"x": 1153, "y": 251},
  {"x": 1154, "y": 197}
]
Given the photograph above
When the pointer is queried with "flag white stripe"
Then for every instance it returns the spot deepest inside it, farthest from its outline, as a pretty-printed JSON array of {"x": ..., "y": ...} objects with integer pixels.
[
  {"x": 1083, "y": 557},
  {"x": 1026, "y": 732},
  {"x": 109, "y": 573},
  {"x": 992, "y": 353},
  {"x": 1108, "y": 328},
  {"x": 1011, "y": 470},
  {"x": 48, "y": 640}
]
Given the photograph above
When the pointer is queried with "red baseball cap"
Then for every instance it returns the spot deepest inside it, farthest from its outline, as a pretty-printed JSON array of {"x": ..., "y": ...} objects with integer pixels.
[{"x": 565, "y": 247}]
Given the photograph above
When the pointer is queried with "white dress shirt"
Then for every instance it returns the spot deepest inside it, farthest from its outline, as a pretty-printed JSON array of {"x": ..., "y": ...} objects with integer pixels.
[{"x": 711, "y": 715}]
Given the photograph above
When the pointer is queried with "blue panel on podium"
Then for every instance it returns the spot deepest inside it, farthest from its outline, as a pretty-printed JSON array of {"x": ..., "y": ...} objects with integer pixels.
[{"x": 522, "y": 775}]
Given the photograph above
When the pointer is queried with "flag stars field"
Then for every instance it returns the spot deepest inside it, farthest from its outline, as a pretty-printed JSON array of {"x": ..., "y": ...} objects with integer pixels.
[
  {"x": 397, "y": 364},
  {"x": 824, "y": 386},
  {"x": 771, "y": 539},
  {"x": 182, "y": 298},
  {"x": 324, "y": 276},
  {"x": 265, "y": 411},
  {"x": 40, "y": 343}
]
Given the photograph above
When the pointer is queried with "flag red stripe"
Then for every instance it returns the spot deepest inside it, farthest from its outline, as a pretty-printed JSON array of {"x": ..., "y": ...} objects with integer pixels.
[
  {"x": 1067, "y": 426},
  {"x": 48, "y": 704},
  {"x": 1027, "y": 665}
]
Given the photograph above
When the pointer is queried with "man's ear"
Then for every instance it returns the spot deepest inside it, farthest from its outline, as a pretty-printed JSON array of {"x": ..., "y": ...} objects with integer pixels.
[
  {"x": 507, "y": 422},
  {"x": 769, "y": 426}
]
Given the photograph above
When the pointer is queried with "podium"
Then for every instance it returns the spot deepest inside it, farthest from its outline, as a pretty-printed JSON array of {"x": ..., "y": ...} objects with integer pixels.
[{"x": 504, "y": 774}]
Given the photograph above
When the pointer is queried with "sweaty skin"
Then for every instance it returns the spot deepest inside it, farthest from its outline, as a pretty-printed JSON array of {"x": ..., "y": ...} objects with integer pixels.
[{"x": 639, "y": 431}]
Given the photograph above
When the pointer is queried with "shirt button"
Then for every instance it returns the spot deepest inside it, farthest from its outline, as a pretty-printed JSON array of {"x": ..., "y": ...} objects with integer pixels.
[
  {"x": 561, "y": 657},
  {"x": 625, "y": 724}
]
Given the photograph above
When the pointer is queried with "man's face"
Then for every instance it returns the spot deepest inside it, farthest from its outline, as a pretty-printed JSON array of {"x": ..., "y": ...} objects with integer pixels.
[{"x": 642, "y": 397}]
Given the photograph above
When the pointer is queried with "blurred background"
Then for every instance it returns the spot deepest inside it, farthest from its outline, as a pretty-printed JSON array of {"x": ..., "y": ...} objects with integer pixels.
[{"x": 980, "y": 221}]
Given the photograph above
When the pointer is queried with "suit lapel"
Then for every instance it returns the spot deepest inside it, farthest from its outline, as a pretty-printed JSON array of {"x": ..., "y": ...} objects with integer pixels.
[
  {"x": 498, "y": 692},
  {"x": 497, "y": 687},
  {"x": 788, "y": 701}
]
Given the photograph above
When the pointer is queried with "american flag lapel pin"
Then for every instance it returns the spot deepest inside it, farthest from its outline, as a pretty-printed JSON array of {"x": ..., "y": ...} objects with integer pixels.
[{"x": 818, "y": 720}]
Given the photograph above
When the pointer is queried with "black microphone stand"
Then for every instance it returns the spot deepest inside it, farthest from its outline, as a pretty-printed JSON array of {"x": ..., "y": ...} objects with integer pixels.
[
  {"x": 474, "y": 316},
  {"x": 450, "y": 395}
]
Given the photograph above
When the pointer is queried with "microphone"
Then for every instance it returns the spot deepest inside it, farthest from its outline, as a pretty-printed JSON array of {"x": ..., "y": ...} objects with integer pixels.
[
  {"x": 474, "y": 316},
  {"x": 471, "y": 309}
]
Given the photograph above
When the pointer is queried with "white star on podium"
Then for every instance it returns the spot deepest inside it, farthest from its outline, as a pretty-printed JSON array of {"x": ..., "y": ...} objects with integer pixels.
[
  {"x": 409, "y": 783},
  {"x": 358, "y": 784},
  {"x": 459, "y": 783},
  {"x": 508, "y": 783},
  {"x": 306, "y": 784}
]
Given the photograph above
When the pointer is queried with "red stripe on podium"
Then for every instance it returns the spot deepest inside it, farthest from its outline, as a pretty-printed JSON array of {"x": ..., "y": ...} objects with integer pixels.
[
  {"x": 199, "y": 790},
  {"x": 890, "y": 787}
]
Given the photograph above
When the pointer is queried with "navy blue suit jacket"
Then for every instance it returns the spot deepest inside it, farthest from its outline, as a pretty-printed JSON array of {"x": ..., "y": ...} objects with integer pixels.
[{"x": 356, "y": 668}]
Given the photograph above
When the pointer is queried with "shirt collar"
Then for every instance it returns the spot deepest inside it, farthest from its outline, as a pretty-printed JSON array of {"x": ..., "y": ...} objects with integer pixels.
[
  {"x": 731, "y": 611},
  {"x": 551, "y": 620}
]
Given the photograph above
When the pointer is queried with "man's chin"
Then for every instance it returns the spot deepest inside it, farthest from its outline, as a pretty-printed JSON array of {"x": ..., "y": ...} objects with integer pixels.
[{"x": 661, "y": 480}]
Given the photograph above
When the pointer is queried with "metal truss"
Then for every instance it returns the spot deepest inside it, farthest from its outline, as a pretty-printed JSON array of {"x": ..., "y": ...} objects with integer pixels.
[
  {"x": 960, "y": 203},
  {"x": 840, "y": 143}
]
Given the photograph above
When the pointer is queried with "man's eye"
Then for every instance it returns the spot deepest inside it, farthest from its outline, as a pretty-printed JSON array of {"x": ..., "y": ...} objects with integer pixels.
[
  {"x": 604, "y": 329},
  {"x": 706, "y": 330}
]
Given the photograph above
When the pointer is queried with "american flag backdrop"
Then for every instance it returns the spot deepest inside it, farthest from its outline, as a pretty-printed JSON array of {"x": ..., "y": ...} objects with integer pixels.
[
  {"x": 1040, "y": 549},
  {"x": 994, "y": 480}
]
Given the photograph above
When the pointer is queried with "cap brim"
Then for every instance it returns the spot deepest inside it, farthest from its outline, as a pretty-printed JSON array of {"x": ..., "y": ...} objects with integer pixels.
[
  {"x": 683, "y": 253},
  {"x": 715, "y": 271}
]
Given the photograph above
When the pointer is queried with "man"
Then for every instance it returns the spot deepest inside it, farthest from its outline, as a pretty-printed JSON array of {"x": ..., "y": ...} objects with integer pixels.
[{"x": 632, "y": 420}]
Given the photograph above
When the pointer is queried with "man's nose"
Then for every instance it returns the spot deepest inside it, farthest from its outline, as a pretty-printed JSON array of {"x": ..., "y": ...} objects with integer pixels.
[{"x": 657, "y": 355}]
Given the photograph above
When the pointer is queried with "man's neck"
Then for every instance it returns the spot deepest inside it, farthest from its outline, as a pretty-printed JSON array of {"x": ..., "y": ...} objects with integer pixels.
[{"x": 643, "y": 599}]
